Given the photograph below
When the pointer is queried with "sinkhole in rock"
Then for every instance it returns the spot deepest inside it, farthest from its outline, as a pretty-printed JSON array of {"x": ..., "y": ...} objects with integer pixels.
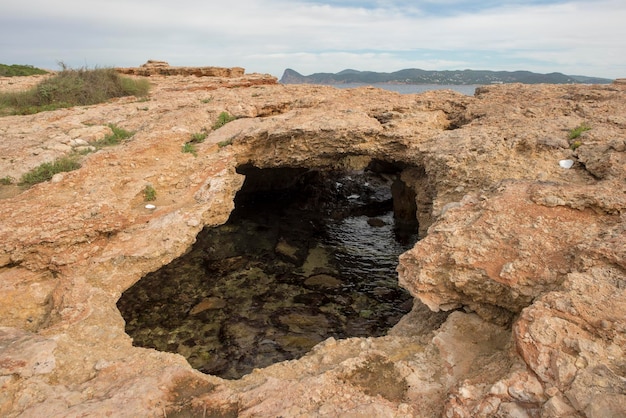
[{"x": 304, "y": 256}]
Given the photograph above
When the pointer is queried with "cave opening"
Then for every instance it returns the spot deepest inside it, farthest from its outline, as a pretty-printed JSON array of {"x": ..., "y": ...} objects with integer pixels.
[{"x": 305, "y": 255}]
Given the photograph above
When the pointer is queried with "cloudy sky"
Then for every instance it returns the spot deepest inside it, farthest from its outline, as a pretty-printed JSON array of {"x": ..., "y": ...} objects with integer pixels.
[{"x": 576, "y": 37}]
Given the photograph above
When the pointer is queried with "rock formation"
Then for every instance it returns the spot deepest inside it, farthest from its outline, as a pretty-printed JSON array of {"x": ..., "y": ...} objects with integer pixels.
[
  {"x": 154, "y": 67},
  {"x": 519, "y": 280}
]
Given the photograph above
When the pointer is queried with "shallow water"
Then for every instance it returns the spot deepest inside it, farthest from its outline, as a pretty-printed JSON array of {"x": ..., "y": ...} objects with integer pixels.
[{"x": 271, "y": 283}]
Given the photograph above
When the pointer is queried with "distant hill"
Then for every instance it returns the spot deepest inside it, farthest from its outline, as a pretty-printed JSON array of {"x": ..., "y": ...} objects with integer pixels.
[{"x": 417, "y": 76}]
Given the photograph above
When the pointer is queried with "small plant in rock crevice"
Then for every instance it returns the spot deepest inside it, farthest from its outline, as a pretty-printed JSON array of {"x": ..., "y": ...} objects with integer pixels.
[
  {"x": 575, "y": 145},
  {"x": 223, "y": 119},
  {"x": 149, "y": 193},
  {"x": 577, "y": 131},
  {"x": 225, "y": 143},
  {"x": 117, "y": 136},
  {"x": 197, "y": 138},
  {"x": 189, "y": 148}
]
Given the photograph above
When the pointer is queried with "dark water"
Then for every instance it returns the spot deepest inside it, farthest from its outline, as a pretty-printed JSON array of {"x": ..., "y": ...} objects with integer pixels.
[{"x": 280, "y": 276}]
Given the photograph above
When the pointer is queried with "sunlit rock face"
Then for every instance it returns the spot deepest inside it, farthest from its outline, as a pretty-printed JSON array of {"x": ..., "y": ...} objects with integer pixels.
[{"x": 517, "y": 279}]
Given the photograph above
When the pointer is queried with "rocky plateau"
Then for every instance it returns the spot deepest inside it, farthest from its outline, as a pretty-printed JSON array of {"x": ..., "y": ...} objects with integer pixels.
[{"x": 519, "y": 278}]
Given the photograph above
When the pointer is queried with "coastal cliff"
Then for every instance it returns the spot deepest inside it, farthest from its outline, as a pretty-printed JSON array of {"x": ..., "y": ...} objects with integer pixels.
[{"x": 519, "y": 278}]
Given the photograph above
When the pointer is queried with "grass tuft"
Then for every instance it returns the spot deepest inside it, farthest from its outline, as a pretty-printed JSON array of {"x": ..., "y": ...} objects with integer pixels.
[
  {"x": 223, "y": 119},
  {"x": 149, "y": 193},
  {"x": 198, "y": 137},
  {"x": 577, "y": 131},
  {"x": 225, "y": 143},
  {"x": 115, "y": 138},
  {"x": 189, "y": 147}
]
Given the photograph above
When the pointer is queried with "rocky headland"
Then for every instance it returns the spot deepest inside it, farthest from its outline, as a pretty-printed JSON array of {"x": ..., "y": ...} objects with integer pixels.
[{"x": 519, "y": 279}]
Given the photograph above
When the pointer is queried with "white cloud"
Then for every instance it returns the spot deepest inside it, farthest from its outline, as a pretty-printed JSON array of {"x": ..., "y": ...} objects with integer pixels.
[{"x": 583, "y": 37}]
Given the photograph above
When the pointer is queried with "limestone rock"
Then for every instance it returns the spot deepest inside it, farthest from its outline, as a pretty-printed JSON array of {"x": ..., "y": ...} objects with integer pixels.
[
  {"x": 500, "y": 253},
  {"x": 155, "y": 67},
  {"x": 25, "y": 354},
  {"x": 529, "y": 257}
]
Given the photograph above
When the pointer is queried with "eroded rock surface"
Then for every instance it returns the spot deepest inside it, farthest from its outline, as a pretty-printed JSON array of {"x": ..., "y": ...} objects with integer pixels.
[
  {"x": 524, "y": 261},
  {"x": 155, "y": 67}
]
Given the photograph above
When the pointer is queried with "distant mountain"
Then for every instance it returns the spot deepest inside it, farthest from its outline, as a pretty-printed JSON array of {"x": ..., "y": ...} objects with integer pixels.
[{"x": 417, "y": 76}]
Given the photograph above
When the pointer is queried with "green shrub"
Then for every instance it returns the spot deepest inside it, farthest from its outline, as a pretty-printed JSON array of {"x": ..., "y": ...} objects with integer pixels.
[
  {"x": 45, "y": 171},
  {"x": 198, "y": 138},
  {"x": 190, "y": 148},
  {"x": 6, "y": 180},
  {"x": 149, "y": 193},
  {"x": 72, "y": 88},
  {"x": 117, "y": 136},
  {"x": 16, "y": 70},
  {"x": 223, "y": 119},
  {"x": 225, "y": 143},
  {"x": 577, "y": 131}
]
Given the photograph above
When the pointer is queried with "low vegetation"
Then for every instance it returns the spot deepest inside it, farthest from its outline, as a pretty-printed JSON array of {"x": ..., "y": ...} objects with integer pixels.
[
  {"x": 117, "y": 136},
  {"x": 197, "y": 138},
  {"x": 149, "y": 193},
  {"x": 46, "y": 171},
  {"x": 225, "y": 143},
  {"x": 577, "y": 131},
  {"x": 16, "y": 70},
  {"x": 575, "y": 145},
  {"x": 6, "y": 180},
  {"x": 189, "y": 148},
  {"x": 223, "y": 119},
  {"x": 71, "y": 87}
]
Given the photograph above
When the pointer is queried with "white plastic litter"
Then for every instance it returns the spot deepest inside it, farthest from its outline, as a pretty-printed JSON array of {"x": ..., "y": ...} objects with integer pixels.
[
  {"x": 151, "y": 207},
  {"x": 566, "y": 163}
]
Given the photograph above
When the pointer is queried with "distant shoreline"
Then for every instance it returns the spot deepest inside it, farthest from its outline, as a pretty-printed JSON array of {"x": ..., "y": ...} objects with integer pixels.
[{"x": 416, "y": 76}]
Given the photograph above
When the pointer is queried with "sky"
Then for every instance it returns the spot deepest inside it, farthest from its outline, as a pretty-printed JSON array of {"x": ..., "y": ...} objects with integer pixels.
[{"x": 574, "y": 37}]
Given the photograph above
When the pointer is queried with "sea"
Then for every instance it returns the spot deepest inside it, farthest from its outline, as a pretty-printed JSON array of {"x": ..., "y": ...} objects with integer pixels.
[{"x": 466, "y": 89}]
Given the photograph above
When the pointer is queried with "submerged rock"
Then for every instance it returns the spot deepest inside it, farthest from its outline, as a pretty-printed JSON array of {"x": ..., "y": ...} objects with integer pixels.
[
  {"x": 323, "y": 280},
  {"x": 206, "y": 304}
]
